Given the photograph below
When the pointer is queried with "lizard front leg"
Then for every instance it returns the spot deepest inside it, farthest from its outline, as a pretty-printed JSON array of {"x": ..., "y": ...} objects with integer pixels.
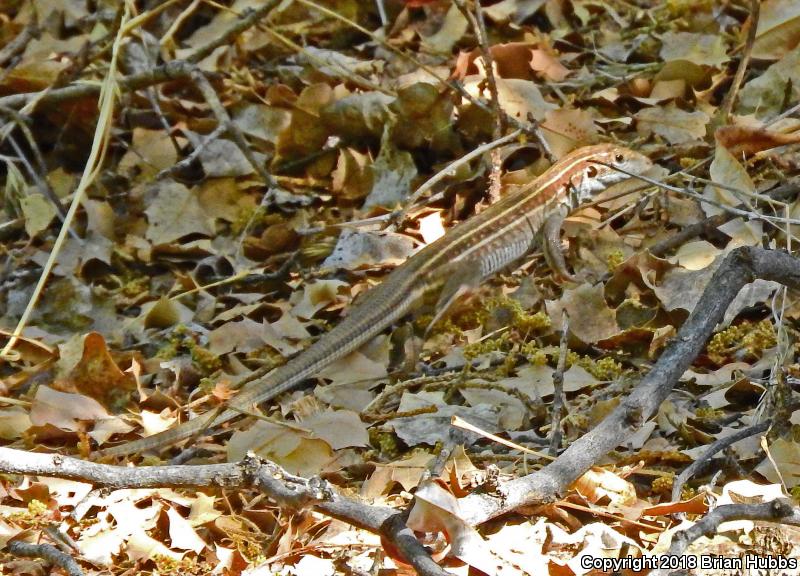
[{"x": 551, "y": 245}]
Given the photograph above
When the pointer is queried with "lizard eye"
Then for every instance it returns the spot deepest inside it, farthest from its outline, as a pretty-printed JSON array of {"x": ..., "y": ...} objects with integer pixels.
[
  {"x": 591, "y": 171},
  {"x": 618, "y": 158}
]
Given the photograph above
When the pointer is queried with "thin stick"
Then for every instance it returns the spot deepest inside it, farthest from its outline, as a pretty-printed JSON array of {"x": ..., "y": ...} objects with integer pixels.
[
  {"x": 464, "y": 425},
  {"x": 19, "y": 43},
  {"x": 730, "y": 97},
  {"x": 559, "y": 401}
]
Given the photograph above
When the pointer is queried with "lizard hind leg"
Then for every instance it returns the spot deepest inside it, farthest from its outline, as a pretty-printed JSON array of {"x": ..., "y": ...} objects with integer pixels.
[{"x": 462, "y": 279}]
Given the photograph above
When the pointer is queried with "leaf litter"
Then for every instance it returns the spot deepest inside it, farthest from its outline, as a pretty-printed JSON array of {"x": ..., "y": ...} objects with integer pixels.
[{"x": 185, "y": 273}]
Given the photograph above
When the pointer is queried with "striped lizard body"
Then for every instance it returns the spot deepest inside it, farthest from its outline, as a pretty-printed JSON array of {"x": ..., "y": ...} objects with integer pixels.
[{"x": 481, "y": 245}]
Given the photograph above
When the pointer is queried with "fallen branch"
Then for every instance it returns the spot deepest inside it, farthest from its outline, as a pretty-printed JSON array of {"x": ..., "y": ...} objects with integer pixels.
[
  {"x": 782, "y": 511},
  {"x": 287, "y": 490},
  {"x": 46, "y": 552},
  {"x": 740, "y": 267},
  {"x": 705, "y": 458}
]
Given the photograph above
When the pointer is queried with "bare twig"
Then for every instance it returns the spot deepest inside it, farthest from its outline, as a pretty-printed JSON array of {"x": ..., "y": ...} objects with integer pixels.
[
  {"x": 449, "y": 170},
  {"x": 479, "y": 25},
  {"x": 224, "y": 119},
  {"x": 46, "y": 552},
  {"x": 247, "y": 19},
  {"x": 91, "y": 170},
  {"x": 184, "y": 163},
  {"x": 782, "y": 511},
  {"x": 41, "y": 176},
  {"x": 781, "y": 193},
  {"x": 19, "y": 43},
  {"x": 730, "y": 97},
  {"x": 288, "y": 490},
  {"x": 558, "y": 387},
  {"x": 705, "y": 458}
]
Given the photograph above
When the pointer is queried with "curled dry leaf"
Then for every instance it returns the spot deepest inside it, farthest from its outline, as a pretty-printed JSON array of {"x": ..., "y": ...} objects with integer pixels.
[
  {"x": 435, "y": 510},
  {"x": 747, "y": 140}
]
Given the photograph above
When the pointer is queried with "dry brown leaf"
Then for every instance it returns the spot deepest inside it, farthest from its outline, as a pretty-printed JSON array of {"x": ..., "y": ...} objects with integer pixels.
[
  {"x": 435, "y": 509},
  {"x": 765, "y": 95},
  {"x": 700, "y": 49},
  {"x": 175, "y": 212},
  {"x": 292, "y": 447},
  {"x": 747, "y": 140},
  {"x": 778, "y": 29},
  {"x": 583, "y": 303},
  {"x": 676, "y": 126},
  {"x": 406, "y": 472},
  {"x": 97, "y": 375},
  {"x": 339, "y": 428},
  {"x": 64, "y": 411},
  {"x": 599, "y": 484}
]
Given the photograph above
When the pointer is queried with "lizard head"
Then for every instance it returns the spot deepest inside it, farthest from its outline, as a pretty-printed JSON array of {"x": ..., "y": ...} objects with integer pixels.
[{"x": 600, "y": 166}]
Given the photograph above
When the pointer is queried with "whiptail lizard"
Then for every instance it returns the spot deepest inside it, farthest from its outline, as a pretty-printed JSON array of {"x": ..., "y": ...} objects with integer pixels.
[{"x": 470, "y": 252}]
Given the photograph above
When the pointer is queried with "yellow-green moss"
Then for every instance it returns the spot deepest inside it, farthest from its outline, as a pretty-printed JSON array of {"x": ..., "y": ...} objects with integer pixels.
[
  {"x": 685, "y": 8},
  {"x": 134, "y": 285},
  {"x": 500, "y": 343},
  {"x": 34, "y": 517},
  {"x": 181, "y": 341},
  {"x": 521, "y": 319},
  {"x": 747, "y": 337},
  {"x": 205, "y": 360},
  {"x": 663, "y": 484},
  {"x": 386, "y": 442},
  {"x": 36, "y": 507},
  {"x": 535, "y": 355},
  {"x": 167, "y": 566},
  {"x": 614, "y": 259},
  {"x": 709, "y": 413},
  {"x": 602, "y": 369}
]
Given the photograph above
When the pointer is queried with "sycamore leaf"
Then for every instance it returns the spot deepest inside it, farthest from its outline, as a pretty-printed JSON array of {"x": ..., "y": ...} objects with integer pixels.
[
  {"x": 175, "y": 212},
  {"x": 407, "y": 472},
  {"x": 436, "y": 510},
  {"x": 294, "y": 448},
  {"x": 673, "y": 124},
  {"x": 182, "y": 534},
  {"x": 38, "y": 211},
  {"x": 452, "y": 29},
  {"x": 63, "y": 410},
  {"x": 356, "y": 248},
  {"x": 339, "y": 428},
  {"x": 701, "y": 49}
]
